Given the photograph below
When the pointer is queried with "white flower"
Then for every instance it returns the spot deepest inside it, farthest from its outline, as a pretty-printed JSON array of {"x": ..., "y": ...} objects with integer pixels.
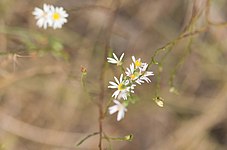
[
  {"x": 132, "y": 73},
  {"x": 58, "y": 17},
  {"x": 118, "y": 107},
  {"x": 115, "y": 60},
  {"x": 138, "y": 63},
  {"x": 122, "y": 86},
  {"x": 42, "y": 16},
  {"x": 138, "y": 75},
  {"x": 125, "y": 93}
]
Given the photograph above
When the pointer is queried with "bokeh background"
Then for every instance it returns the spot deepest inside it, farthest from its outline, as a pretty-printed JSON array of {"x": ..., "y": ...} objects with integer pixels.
[{"x": 43, "y": 105}]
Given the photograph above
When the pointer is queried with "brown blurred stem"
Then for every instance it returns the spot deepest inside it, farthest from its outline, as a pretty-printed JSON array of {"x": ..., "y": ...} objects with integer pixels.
[{"x": 102, "y": 81}]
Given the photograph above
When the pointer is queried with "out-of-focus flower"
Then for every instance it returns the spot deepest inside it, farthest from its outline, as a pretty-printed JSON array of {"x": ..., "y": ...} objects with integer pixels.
[
  {"x": 115, "y": 60},
  {"x": 42, "y": 16},
  {"x": 58, "y": 16},
  {"x": 118, "y": 107}
]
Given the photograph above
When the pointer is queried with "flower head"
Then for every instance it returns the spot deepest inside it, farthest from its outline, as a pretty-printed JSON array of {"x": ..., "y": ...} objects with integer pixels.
[
  {"x": 137, "y": 62},
  {"x": 132, "y": 73},
  {"x": 138, "y": 75},
  {"x": 115, "y": 60},
  {"x": 42, "y": 16},
  {"x": 58, "y": 16},
  {"x": 121, "y": 108},
  {"x": 122, "y": 88}
]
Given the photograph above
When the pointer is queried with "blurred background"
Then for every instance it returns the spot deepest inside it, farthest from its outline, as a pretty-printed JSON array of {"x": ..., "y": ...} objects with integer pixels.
[{"x": 43, "y": 105}]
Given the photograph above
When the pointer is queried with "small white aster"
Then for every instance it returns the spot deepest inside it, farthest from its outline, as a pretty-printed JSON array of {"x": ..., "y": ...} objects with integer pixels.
[
  {"x": 122, "y": 86},
  {"x": 42, "y": 16},
  {"x": 137, "y": 71},
  {"x": 138, "y": 63},
  {"x": 115, "y": 60},
  {"x": 125, "y": 93},
  {"x": 58, "y": 16},
  {"x": 118, "y": 107},
  {"x": 132, "y": 73}
]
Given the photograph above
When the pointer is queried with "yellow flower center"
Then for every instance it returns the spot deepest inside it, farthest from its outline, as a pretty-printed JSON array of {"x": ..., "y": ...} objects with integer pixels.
[
  {"x": 132, "y": 76},
  {"x": 56, "y": 16},
  {"x": 120, "y": 86},
  {"x": 137, "y": 63}
]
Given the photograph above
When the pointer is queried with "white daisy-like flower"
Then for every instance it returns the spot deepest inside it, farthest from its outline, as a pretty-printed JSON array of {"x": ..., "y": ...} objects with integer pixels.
[
  {"x": 58, "y": 16},
  {"x": 115, "y": 60},
  {"x": 138, "y": 75},
  {"x": 118, "y": 107},
  {"x": 122, "y": 86},
  {"x": 125, "y": 93},
  {"x": 132, "y": 73},
  {"x": 42, "y": 16},
  {"x": 138, "y": 63}
]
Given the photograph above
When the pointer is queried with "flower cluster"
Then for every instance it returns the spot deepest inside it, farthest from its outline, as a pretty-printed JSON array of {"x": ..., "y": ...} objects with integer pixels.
[
  {"x": 50, "y": 16},
  {"x": 136, "y": 74}
]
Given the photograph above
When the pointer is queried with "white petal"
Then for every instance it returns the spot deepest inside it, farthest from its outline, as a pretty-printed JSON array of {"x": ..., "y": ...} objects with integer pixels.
[
  {"x": 112, "y": 87},
  {"x": 115, "y": 94},
  {"x": 113, "y": 83},
  {"x": 133, "y": 58},
  {"x": 117, "y": 102},
  {"x": 111, "y": 60},
  {"x": 132, "y": 68},
  {"x": 40, "y": 22},
  {"x": 46, "y": 7},
  {"x": 122, "y": 55},
  {"x": 121, "y": 78},
  {"x": 37, "y": 12},
  {"x": 120, "y": 115},
  {"x": 149, "y": 73},
  {"x": 124, "y": 96},
  {"x": 113, "y": 109},
  {"x": 115, "y": 57},
  {"x": 138, "y": 81},
  {"x": 116, "y": 80}
]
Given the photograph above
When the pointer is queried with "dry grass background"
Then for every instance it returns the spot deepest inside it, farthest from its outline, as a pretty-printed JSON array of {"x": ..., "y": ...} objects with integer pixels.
[{"x": 44, "y": 107}]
